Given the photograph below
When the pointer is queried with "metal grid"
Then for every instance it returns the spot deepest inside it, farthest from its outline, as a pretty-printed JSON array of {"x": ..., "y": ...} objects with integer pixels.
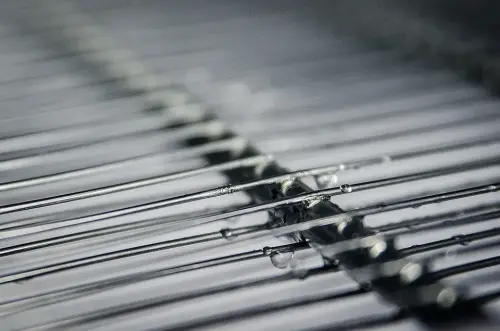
[{"x": 181, "y": 183}]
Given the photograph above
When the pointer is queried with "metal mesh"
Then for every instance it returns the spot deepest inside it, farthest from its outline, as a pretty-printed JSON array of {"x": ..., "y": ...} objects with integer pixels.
[{"x": 178, "y": 165}]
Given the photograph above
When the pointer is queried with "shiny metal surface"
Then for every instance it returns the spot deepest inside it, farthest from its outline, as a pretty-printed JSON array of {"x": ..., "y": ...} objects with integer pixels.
[{"x": 180, "y": 165}]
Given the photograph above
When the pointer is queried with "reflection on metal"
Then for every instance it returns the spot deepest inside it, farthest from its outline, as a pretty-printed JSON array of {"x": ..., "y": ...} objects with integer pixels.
[{"x": 195, "y": 168}]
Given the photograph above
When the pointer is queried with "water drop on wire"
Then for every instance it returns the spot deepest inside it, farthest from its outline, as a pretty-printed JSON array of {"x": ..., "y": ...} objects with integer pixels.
[
  {"x": 227, "y": 233},
  {"x": 281, "y": 260},
  {"x": 346, "y": 188},
  {"x": 267, "y": 251},
  {"x": 323, "y": 181}
]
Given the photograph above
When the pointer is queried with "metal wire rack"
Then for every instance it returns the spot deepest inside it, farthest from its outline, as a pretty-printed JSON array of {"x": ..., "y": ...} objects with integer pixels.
[{"x": 166, "y": 167}]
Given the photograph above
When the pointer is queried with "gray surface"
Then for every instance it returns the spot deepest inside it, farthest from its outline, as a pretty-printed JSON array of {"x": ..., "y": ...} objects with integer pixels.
[{"x": 258, "y": 67}]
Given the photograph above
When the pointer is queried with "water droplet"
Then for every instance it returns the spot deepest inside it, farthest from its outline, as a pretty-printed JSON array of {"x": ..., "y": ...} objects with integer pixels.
[
  {"x": 341, "y": 227},
  {"x": 377, "y": 249},
  {"x": 447, "y": 298},
  {"x": 346, "y": 188},
  {"x": 312, "y": 202},
  {"x": 267, "y": 251},
  {"x": 287, "y": 184},
  {"x": 325, "y": 180},
  {"x": 226, "y": 233},
  {"x": 281, "y": 260},
  {"x": 410, "y": 272}
]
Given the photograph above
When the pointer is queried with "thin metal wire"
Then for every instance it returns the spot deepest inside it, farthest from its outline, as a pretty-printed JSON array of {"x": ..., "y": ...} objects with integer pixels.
[
  {"x": 223, "y": 145},
  {"x": 11, "y": 308},
  {"x": 258, "y": 232},
  {"x": 26, "y": 235},
  {"x": 437, "y": 221},
  {"x": 172, "y": 135},
  {"x": 459, "y": 239},
  {"x": 49, "y": 238},
  {"x": 254, "y": 161},
  {"x": 266, "y": 309}
]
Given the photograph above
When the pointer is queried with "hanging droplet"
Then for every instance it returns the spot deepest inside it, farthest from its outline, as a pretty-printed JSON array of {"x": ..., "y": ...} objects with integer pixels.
[
  {"x": 346, "y": 188},
  {"x": 410, "y": 273},
  {"x": 447, "y": 298},
  {"x": 227, "y": 233},
  {"x": 281, "y": 260},
  {"x": 267, "y": 251},
  {"x": 325, "y": 180}
]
